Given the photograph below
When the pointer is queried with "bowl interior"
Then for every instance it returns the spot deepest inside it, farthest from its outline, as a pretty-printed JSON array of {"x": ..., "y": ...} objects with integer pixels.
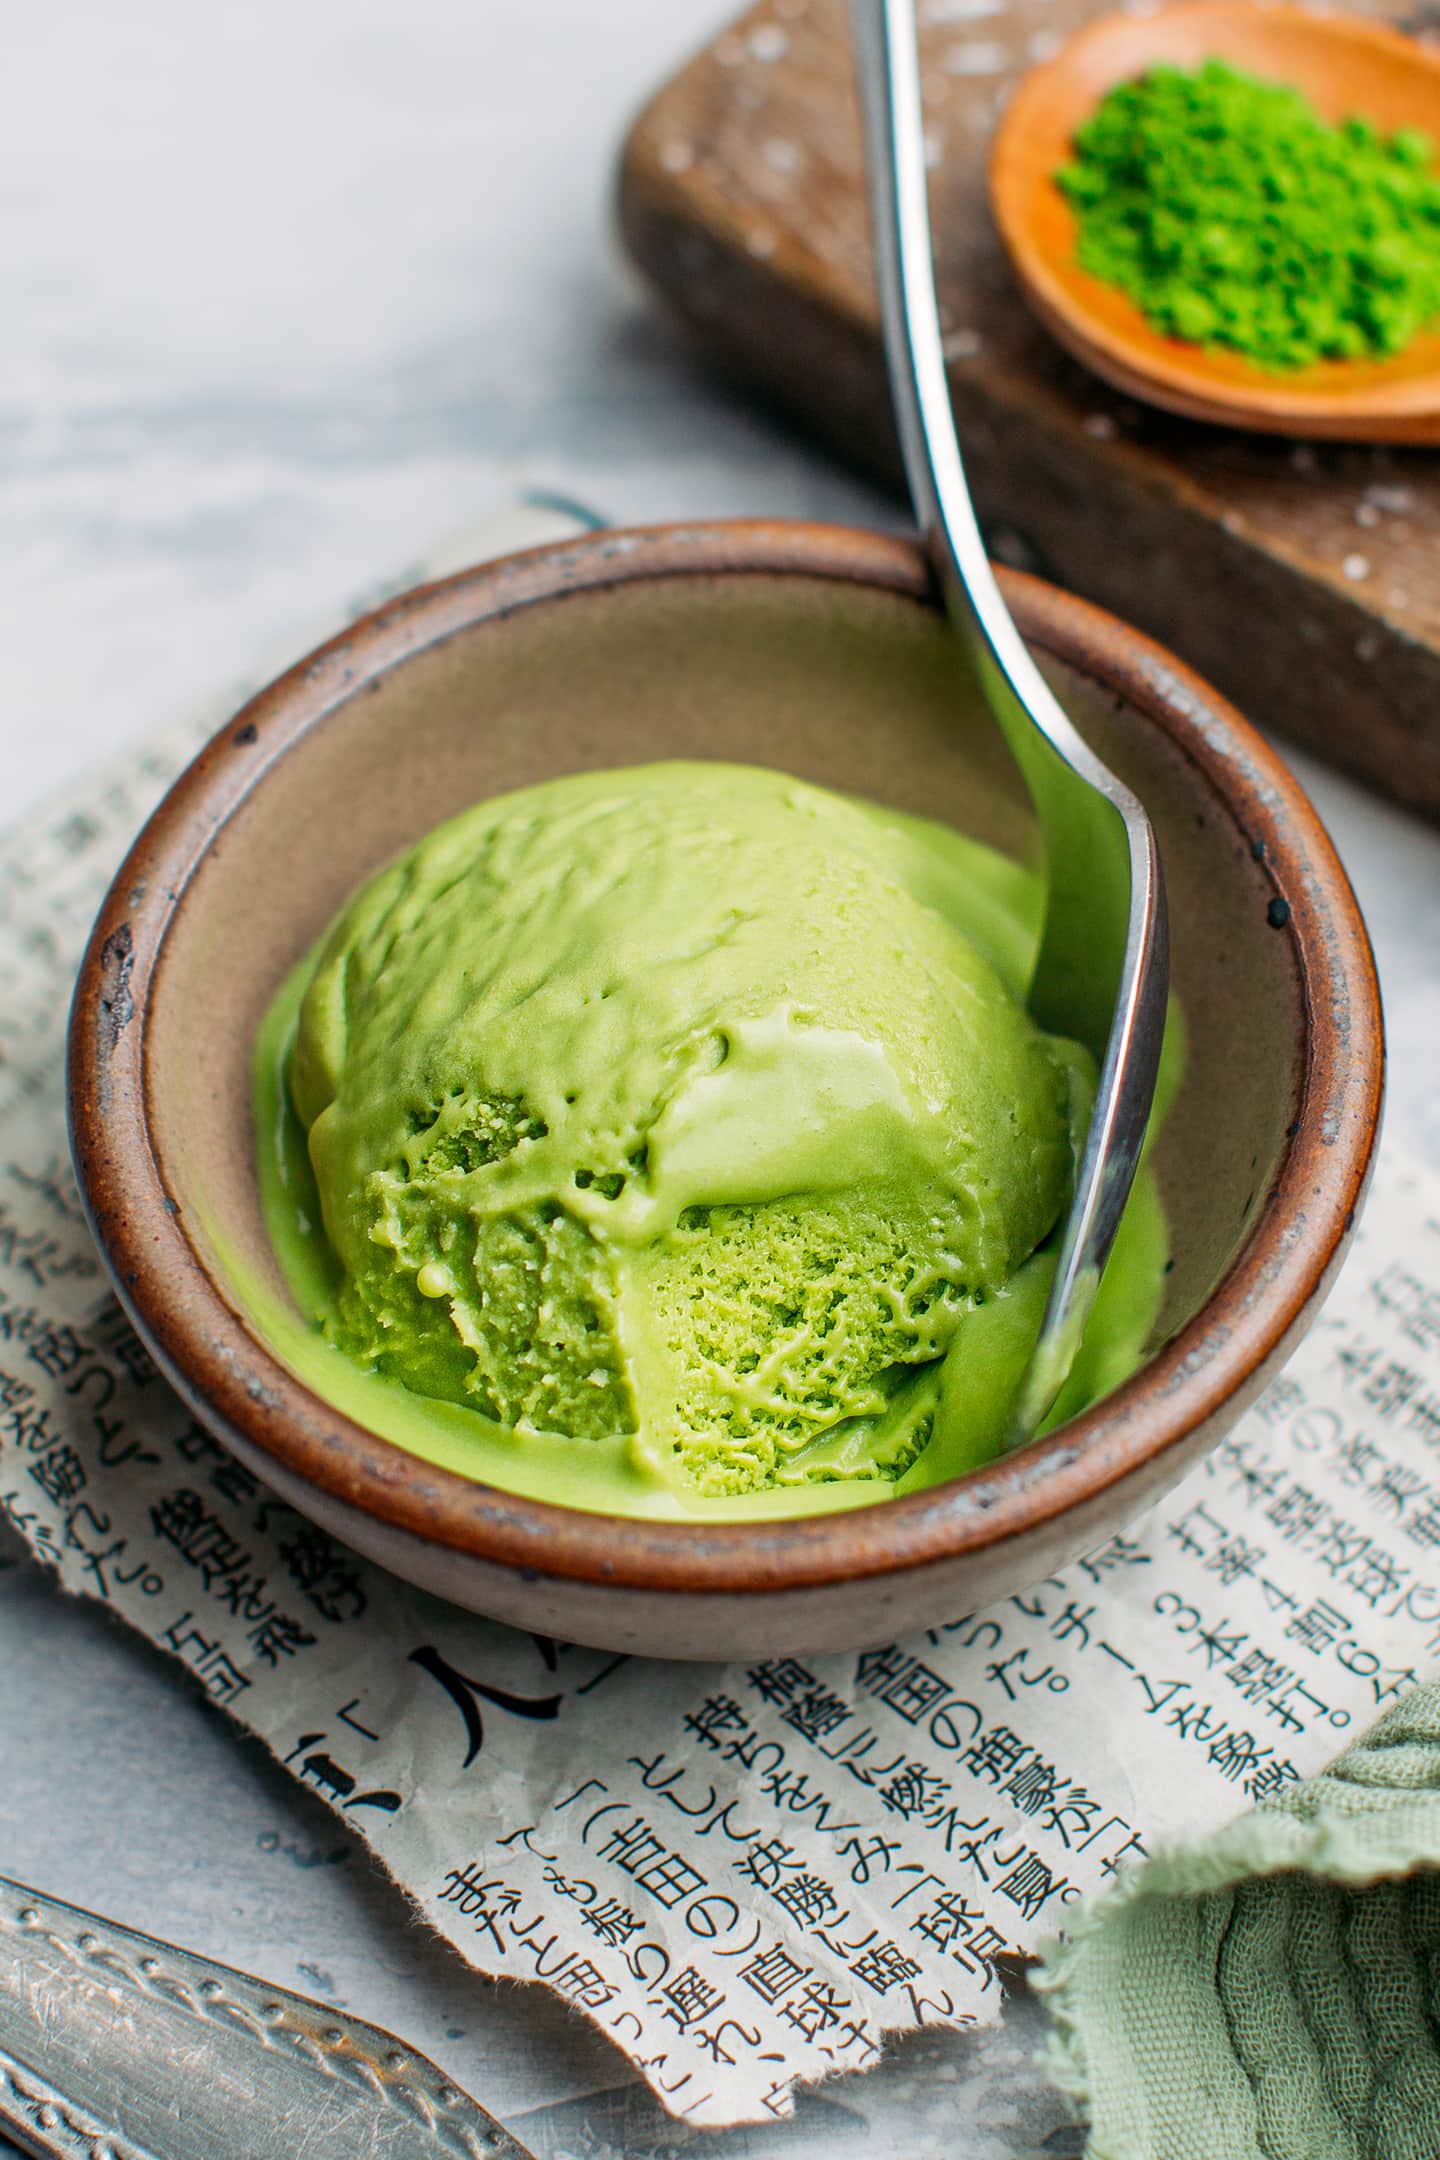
[
  {"x": 848, "y": 685},
  {"x": 1343, "y": 66}
]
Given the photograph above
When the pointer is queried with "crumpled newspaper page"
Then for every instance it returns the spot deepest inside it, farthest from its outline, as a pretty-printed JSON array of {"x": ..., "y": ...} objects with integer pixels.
[{"x": 746, "y": 1875}]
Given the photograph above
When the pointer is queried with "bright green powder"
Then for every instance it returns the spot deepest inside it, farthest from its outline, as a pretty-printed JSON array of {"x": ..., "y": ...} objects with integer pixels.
[{"x": 1232, "y": 215}]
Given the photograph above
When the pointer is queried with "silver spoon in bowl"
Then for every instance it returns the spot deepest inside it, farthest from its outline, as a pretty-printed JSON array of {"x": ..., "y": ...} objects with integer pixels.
[{"x": 1102, "y": 970}]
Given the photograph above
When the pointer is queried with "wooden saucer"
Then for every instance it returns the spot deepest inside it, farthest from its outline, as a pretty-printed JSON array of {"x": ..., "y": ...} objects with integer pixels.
[{"x": 1343, "y": 65}]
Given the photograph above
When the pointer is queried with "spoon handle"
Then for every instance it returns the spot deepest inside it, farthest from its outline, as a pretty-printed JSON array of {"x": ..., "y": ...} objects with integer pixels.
[
  {"x": 1101, "y": 973},
  {"x": 116, "y": 2047}
]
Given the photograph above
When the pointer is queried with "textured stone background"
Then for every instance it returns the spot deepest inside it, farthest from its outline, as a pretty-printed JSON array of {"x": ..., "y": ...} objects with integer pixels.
[{"x": 292, "y": 289}]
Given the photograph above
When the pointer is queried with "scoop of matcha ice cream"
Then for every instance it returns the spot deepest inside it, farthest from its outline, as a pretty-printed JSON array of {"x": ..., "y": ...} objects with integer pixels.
[{"x": 694, "y": 1105}]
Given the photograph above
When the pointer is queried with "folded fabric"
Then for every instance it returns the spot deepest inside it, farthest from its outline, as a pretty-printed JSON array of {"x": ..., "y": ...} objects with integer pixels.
[{"x": 1271, "y": 1992}]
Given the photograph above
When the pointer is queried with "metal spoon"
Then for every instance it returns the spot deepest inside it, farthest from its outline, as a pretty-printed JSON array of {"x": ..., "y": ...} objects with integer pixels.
[
  {"x": 114, "y": 2046},
  {"x": 1102, "y": 970}
]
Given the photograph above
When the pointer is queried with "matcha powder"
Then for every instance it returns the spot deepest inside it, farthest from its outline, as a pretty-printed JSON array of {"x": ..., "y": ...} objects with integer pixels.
[{"x": 1232, "y": 215}]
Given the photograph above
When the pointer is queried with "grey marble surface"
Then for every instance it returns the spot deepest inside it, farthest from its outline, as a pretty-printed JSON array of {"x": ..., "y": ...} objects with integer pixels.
[{"x": 292, "y": 289}]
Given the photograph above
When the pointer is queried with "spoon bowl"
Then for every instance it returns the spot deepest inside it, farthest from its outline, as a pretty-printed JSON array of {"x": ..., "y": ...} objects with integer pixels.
[{"x": 1344, "y": 66}]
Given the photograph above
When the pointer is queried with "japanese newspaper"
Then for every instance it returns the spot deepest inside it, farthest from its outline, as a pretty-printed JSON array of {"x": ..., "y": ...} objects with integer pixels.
[{"x": 745, "y": 1875}]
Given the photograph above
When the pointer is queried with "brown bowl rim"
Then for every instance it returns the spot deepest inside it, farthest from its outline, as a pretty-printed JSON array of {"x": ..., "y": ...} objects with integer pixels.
[{"x": 225, "y": 1373}]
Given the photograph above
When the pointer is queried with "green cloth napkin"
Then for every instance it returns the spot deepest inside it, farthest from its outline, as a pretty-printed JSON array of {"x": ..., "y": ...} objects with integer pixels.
[{"x": 1271, "y": 1992}]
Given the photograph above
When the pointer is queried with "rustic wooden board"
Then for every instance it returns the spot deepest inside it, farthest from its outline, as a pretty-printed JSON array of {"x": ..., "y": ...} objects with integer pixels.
[{"x": 1300, "y": 578}]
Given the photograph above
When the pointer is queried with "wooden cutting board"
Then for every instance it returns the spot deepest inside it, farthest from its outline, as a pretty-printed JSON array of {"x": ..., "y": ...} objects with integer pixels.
[{"x": 1303, "y": 579}]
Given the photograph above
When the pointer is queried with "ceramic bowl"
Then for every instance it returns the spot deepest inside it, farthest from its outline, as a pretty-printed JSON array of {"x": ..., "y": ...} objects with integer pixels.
[
  {"x": 821, "y": 651},
  {"x": 1343, "y": 64}
]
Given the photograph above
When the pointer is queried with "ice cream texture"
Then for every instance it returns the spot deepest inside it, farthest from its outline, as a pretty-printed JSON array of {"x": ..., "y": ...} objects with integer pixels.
[{"x": 675, "y": 1141}]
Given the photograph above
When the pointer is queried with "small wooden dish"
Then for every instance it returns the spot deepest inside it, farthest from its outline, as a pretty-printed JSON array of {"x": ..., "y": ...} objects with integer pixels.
[{"x": 1344, "y": 66}]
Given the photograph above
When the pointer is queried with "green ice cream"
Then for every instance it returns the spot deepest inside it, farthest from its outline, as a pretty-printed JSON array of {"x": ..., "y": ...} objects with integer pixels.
[{"x": 675, "y": 1140}]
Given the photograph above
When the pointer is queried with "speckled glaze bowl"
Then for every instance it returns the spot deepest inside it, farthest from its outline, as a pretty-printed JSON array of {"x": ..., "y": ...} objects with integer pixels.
[{"x": 819, "y": 650}]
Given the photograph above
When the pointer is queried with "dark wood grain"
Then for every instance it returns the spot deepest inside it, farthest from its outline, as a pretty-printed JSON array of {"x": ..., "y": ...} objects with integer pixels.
[{"x": 1302, "y": 578}]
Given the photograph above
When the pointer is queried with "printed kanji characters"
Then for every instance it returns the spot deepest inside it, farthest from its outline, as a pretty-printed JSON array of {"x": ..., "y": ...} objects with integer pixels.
[
  {"x": 808, "y": 1899},
  {"x": 779, "y": 1680},
  {"x": 816, "y": 1714},
  {"x": 689, "y": 1998},
  {"x": 61, "y": 1474},
  {"x": 995, "y": 1753},
  {"x": 884, "y": 1966},
  {"x": 1030, "y": 1884},
  {"x": 773, "y": 1973},
  {"x": 612, "y": 1921},
  {"x": 717, "y": 1715}
]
